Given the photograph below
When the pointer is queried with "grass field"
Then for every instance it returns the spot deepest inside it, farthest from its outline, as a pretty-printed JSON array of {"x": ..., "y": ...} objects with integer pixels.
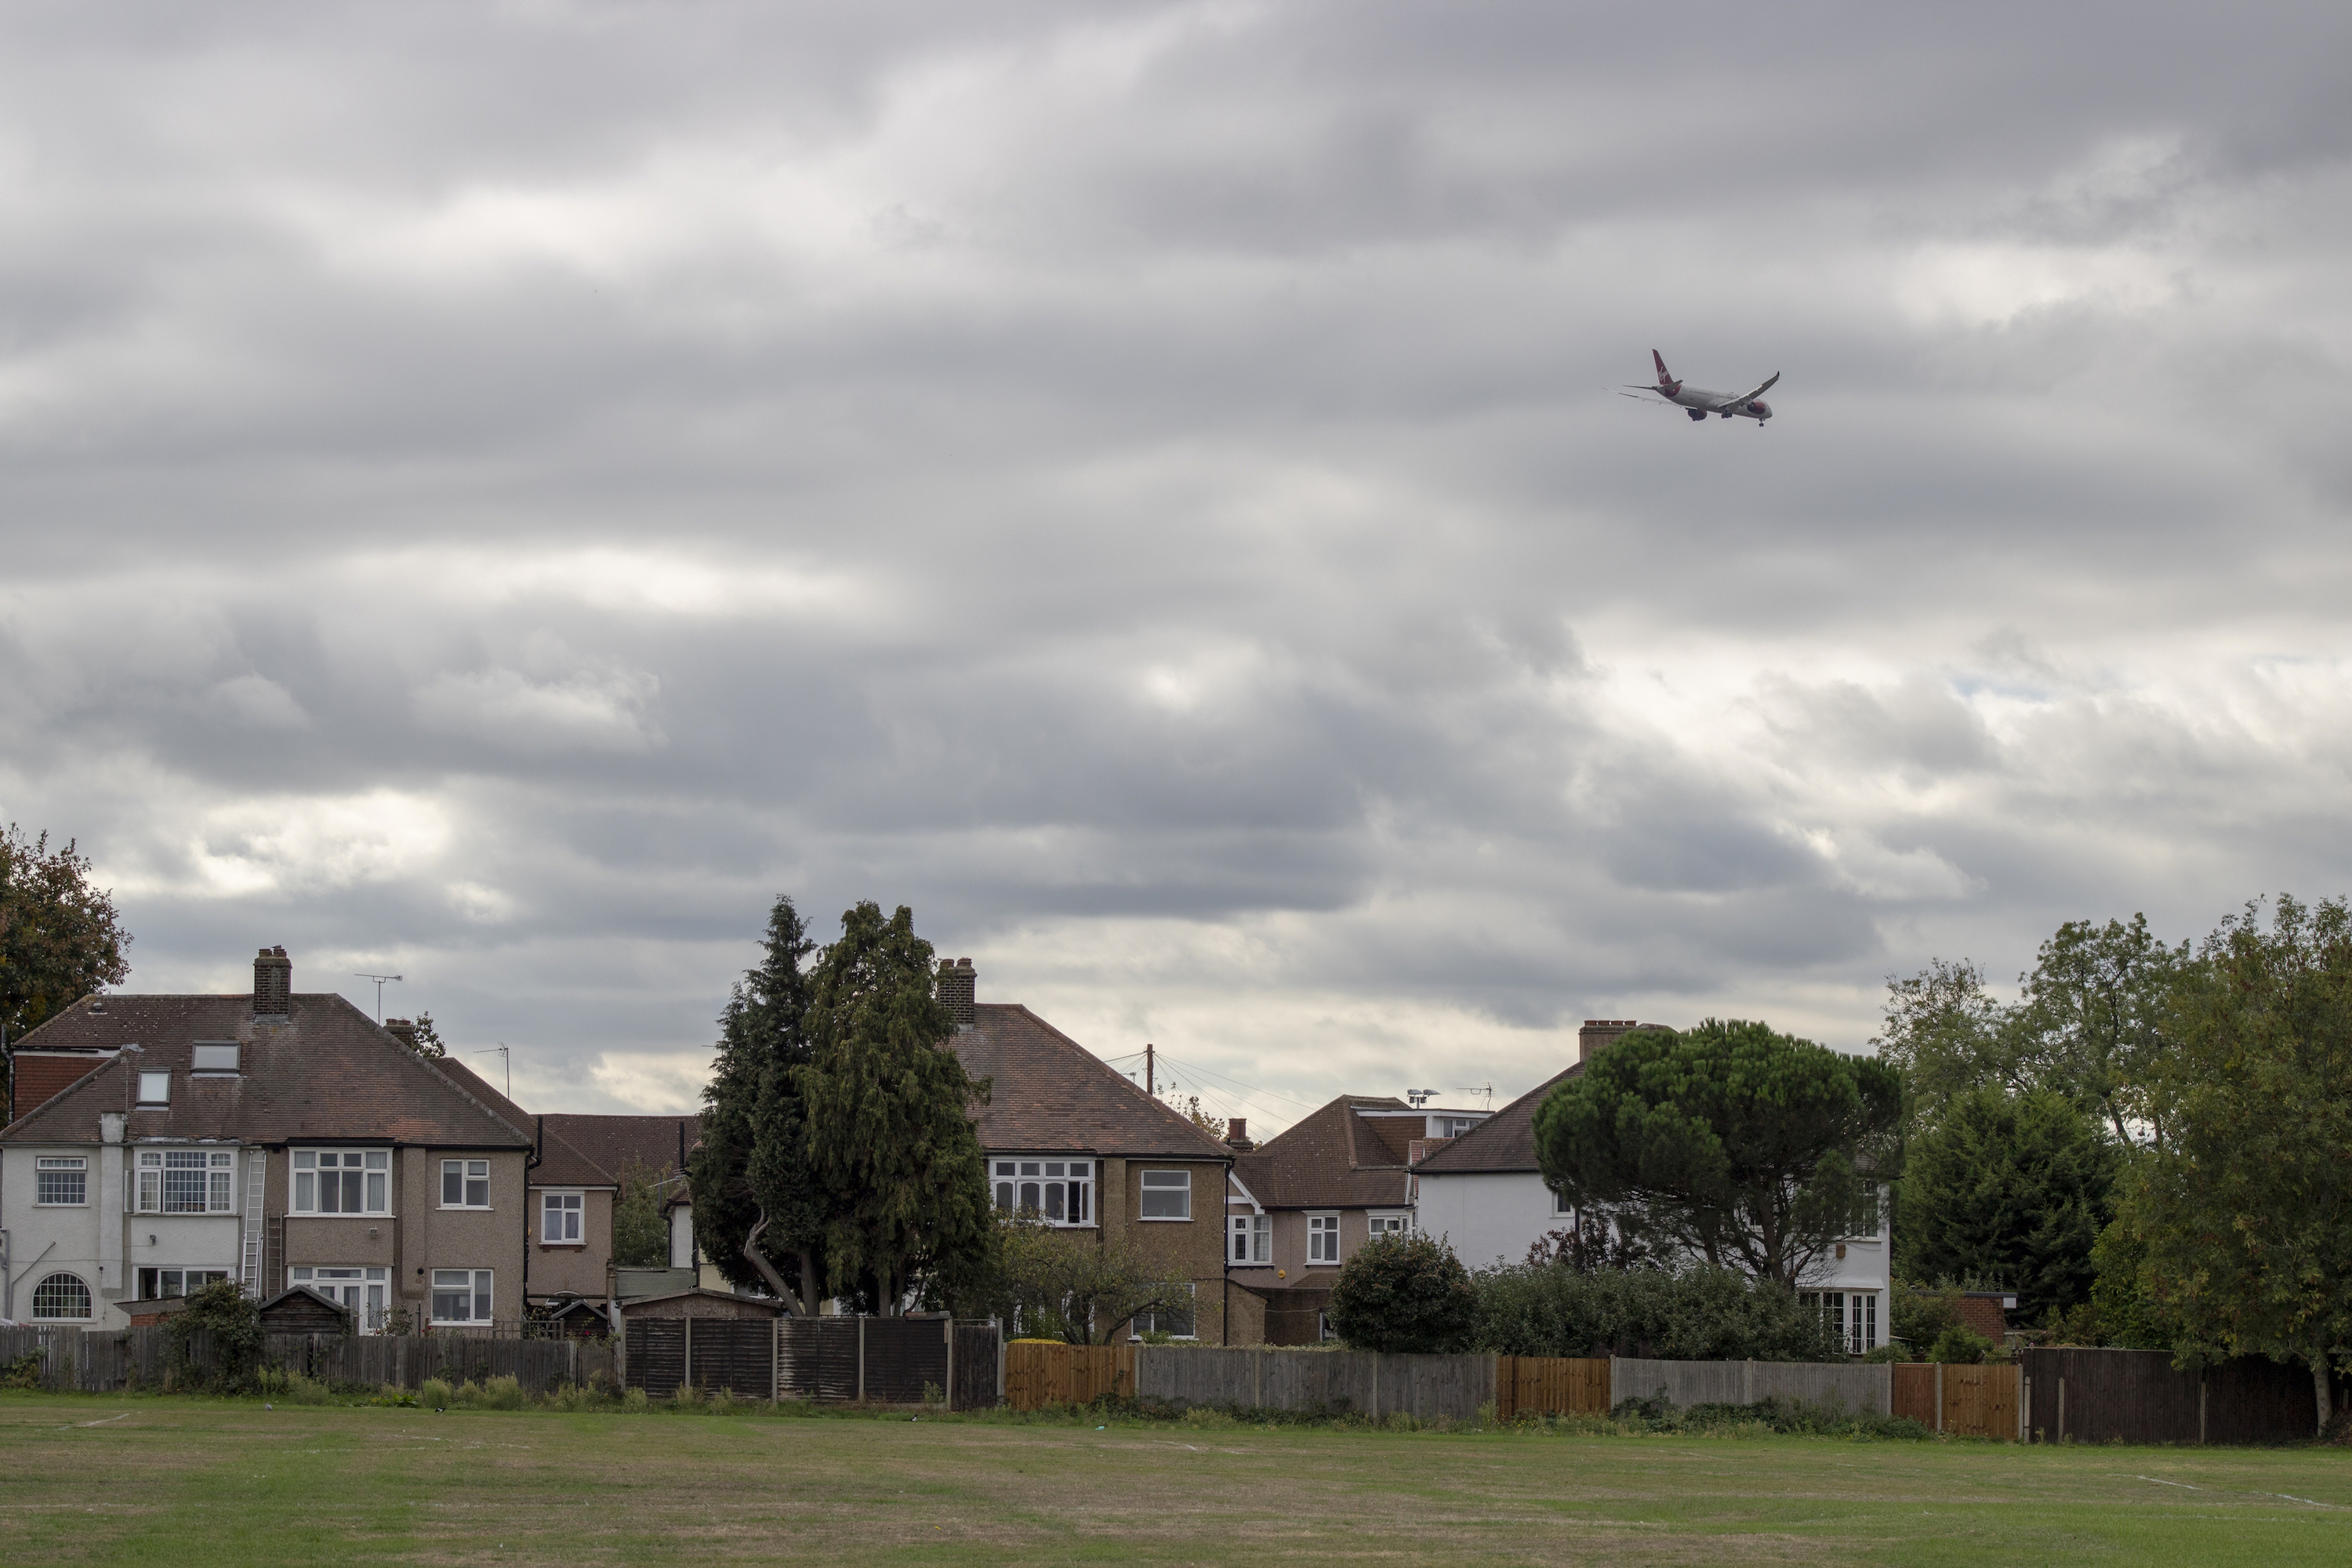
[{"x": 191, "y": 1481}]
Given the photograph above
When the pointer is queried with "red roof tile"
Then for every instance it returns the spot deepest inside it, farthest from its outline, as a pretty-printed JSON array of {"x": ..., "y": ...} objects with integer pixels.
[
  {"x": 1331, "y": 1158},
  {"x": 1052, "y": 1094},
  {"x": 1503, "y": 1141}
]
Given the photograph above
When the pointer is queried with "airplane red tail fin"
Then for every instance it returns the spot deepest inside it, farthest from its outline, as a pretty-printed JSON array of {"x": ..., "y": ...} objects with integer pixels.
[{"x": 1664, "y": 379}]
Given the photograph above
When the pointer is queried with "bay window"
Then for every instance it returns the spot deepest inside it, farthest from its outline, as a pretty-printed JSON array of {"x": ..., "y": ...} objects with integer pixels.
[{"x": 1058, "y": 1191}]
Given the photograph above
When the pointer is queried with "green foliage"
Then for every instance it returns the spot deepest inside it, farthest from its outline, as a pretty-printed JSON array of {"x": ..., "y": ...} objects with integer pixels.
[
  {"x": 1948, "y": 1036},
  {"x": 1693, "y": 1314},
  {"x": 1075, "y": 1287},
  {"x": 232, "y": 1319},
  {"x": 2239, "y": 1206},
  {"x": 2118, "y": 1314},
  {"x": 59, "y": 937},
  {"x": 1405, "y": 1293},
  {"x": 2014, "y": 1188},
  {"x": 758, "y": 1205},
  {"x": 1731, "y": 1143},
  {"x": 1917, "y": 1316},
  {"x": 640, "y": 1234},
  {"x": 1779, "y": 1416},
  {"x": 889, "y": 1134},
  {"x": 1960, "y": 1345},
  {"x": 424, "y": 1038}
]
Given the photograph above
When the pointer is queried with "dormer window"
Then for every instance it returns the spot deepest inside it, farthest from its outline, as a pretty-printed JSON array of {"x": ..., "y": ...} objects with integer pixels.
[
  {"x": 214, "y": 1056},
  {"x": 156, "y": 1087}
]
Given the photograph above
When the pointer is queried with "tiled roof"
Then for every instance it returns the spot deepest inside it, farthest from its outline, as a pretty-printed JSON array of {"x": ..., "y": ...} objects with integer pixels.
[
  {"x": 325, "y": 1070},
  {"x": 1503, "y": 1141},
  {"x": 1051, "y": 1093},
  {"x": 41, "y": 1077},
  {"x": 613, "y": 1142},
  {"x": 1330, "y": 1158},
  {"x": 560, "y": 1163}
]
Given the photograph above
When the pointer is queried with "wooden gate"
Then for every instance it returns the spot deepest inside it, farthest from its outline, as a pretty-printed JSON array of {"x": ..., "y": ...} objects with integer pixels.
[{"x": 1551, "y": 1385}]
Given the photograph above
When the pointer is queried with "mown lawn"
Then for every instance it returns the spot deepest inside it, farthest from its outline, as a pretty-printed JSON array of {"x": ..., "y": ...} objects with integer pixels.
[{"x": 191, "y": 1481}]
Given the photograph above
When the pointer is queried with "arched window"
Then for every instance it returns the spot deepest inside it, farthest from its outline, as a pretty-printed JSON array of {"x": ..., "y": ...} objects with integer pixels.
[{"x": 61, "y": 1296}]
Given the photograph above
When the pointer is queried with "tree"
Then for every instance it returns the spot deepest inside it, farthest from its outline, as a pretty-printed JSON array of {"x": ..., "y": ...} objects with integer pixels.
[
  {"x": 59, "y": 937},
  {"x": 426, "y": 1040},
  {"x": 1730, "y": 1142},
  {"x": 1405, "y": 1293},
  {"x": 1077, "y": 1288},
  {"x": 640, "y": 1234},
  {"x": 1948, "y": 1036},
  {"x": 889, "y": 1134},
  {"x": 2014, "y": 1188},
  {"x": 2241, "y": 1206},
  {"x": 223, "y": 1309},
  {"x": 759, "y": 1205},
  {"x": 1593, "y": 1243},
  {"x": 2090, "y": 1020}
]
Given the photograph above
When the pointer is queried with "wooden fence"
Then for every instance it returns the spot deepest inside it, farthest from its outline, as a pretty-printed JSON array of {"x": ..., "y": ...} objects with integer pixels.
[
  {"x": 99, "y": 1361},
  {"x": 1840, "y": 1385},
  {"x": 1551, "y": 1385},
  {"x": 1966, "y": 1401},
  {"x": 879, "y": 1360},
  {"x": 2139, "y": 1396},
  {"x": 1037, "y": 1375}
]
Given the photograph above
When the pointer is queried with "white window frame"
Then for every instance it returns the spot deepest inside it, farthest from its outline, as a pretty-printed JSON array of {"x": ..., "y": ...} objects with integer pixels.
[
  {"x": 89, "y": 1296},
  {"x": 1037, "y": 1189},
  {"x": 563, "y": 1211},
  {"x": 163, "y": 1293},
  {"x": 1388, "y": 1222},
  {"x": 1560, "y": 1207},
  {"x": 468, "y": 1172},
  {"x": 1164, "y": 1187},
  {"x": 155, "y": 1086},
  {"x": 1252, "y": 1239},
  {"x": 208, "y": 1056},
  {"x": 61, "y": 1165},
  {"x": 1322, "y": 1238},
  {"x": 478, "y": 1285},
  {"x": 151, "y": 1181},
  {"x": 1143, "y": 1323},
  {"x": 302, "y": 1187},
  {"x": 366, "y": 1292}
]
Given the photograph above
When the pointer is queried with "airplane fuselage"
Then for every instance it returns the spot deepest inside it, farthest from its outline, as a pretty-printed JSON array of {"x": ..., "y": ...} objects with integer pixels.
[{"x": 1702, "y": 402}]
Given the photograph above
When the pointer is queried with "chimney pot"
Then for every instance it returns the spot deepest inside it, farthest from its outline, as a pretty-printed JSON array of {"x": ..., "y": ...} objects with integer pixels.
[
  {"x": 1237, "y": 1132},
  {"x": 1599, "y": 1034},
  {"x": 273, "y": 983}
]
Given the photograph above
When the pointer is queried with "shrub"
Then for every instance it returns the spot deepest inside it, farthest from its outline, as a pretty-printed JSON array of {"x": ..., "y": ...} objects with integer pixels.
[
  {"x": 1959, "y": 1344},
  {"x": 1693, "y": 1314},
  {"x": 232, "y": 1319},
  {"x": 435, "y": 1394},
  {"x": 635, "y": 1402},
  {"x": 1404, "y": 1294},
  {"x": 502, "y": 1394}
]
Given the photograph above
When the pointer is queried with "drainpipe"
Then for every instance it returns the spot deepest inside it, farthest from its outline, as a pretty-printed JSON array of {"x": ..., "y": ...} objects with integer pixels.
[{"x": 531, "y": 1163}]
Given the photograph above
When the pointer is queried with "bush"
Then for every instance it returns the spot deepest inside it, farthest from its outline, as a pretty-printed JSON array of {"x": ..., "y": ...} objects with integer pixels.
[
  {"x": 1917, "y": 1315},
  {"x": 1404, "y": 1294},
  {"x": 435, "y": 1394},
  {"x": 232, "y": 1319},
  {"x": 1960, "y": 1345},
  {"x": 1779, "y": 1416},
  {"x": 1693, "y": 1314}
]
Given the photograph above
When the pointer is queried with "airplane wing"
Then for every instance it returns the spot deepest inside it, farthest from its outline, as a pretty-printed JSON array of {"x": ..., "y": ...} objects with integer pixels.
[{"x": 1745, "y": 397}]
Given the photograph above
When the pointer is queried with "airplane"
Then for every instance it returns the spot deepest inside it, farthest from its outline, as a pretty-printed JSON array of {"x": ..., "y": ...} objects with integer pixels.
[{"x": 1699, "y": 403}]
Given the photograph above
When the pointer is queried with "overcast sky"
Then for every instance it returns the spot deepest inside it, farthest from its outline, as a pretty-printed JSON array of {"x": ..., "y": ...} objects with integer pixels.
[{"x": 499, "y": 493}]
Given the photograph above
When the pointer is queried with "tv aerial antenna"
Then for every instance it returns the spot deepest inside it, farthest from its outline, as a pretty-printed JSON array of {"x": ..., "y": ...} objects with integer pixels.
[
  {"x": 500, "y": 1051},
  {"x": 1486, "y": 1094},
  {"x": 381, "y": 981}
]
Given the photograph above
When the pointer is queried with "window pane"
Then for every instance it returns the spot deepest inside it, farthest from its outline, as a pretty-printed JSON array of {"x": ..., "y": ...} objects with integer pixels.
[
  {"x": 61, "y": 1187},
  {"x": 218, "y": 1199},
  {"x": 482, "y": 1297},
  {"x": 305, "y": 1160},
  {"x": 1081, "y": 1194},
  {"x": 1029, "y": 1167},
  {"x": 478, "y": 1191},
  {"x": 1005, "y": 1194},
  {"x": 1053, "y": 1200},
  {"x": 453, "y": 1187},
  {"x": 380, "y": 1161},
  {"x": 1032, "y": 1196},
  {"x": 376, "y": 1192},
  {"x": 1082, "y": 1167},
  {"x": 303, "y": 1203}
]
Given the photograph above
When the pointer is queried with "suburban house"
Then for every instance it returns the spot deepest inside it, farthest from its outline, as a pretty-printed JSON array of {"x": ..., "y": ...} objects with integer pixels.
[
  {"x": 658, "y": 1146},
  {"x": 1076, "y": 1144},
  {"x": 276, "y": 1138},
  {"x": 1299, "y": 1205},
  {"x": 1484, "y": 1194}
]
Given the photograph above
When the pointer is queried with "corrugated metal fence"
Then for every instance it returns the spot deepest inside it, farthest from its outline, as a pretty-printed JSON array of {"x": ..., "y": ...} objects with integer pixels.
[{"x": 93, "y": 1361}]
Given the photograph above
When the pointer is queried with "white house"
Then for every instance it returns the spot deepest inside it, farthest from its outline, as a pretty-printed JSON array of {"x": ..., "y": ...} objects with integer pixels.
[{"x": 1484, "y": 1194}]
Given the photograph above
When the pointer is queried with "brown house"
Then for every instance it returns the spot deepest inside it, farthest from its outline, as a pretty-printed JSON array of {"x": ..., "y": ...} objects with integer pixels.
[
  {"x": 275, "y": 1138},
  {"x": 1301, "y": 1203},
  {"x": 1081, "y": 1147}
]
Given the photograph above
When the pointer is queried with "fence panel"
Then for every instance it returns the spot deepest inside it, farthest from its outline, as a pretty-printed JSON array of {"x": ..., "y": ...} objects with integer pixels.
[
  {"x": 818, "y": 1358},
  {"x": 1199, "y": 1376},
  {"x": 1038, "y": 1375},
  {"x": 1686, "y": 1383},
  {"x": 2113, "y": 1397},
  {"x": 974, "y": 1368},
  {"x": 1551, "y": 1385},
  {"x": 1982, "y": 1401},
  {"x": 738, "y": 1354},
  {"x": 903, "y": 1355},
  {"x": 1913, "y": 1391},
  {"x": 656, "y": 1358}
]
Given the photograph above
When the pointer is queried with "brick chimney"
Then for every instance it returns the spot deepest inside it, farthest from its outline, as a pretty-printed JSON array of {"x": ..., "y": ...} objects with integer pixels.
[
  {"x": 273, "y": 983},
  {"x": 403, "y": 1030},
  {"x": 958, "y": 987},
  {"x": 1599, "y": 1034},
  {"x": 1237, "y": 1136}
]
